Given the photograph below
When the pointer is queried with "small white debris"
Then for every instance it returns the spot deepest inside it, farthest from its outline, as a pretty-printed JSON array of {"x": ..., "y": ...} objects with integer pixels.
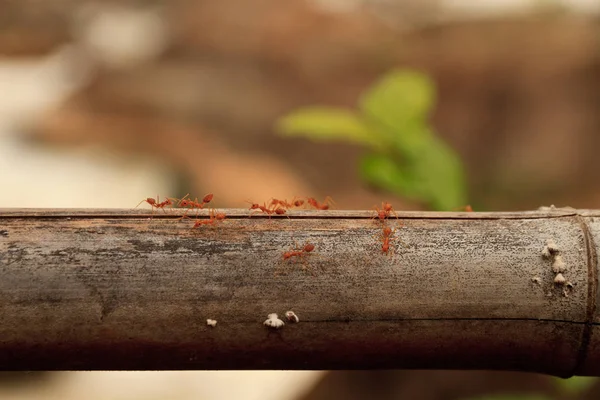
[
  {"x": 536, "y": 280},
  {"x": 559, "y": 279},
  {"x": 273, "y": 321},
  {"x": 558, "y": 265},
  {"x": 569, "y": 285},
  {"x": 546, "y": 253},
  {"x": 211, "y": 322},
  {"x": 550, "y": 249},
  {"x": 292, "y": 317},
  {"x": 554, "y": 208},
  {"x": 565, "y": 293}
]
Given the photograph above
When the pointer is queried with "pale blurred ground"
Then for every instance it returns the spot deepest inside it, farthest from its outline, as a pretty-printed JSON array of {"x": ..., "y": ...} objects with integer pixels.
[
  {"x": 40, "y": 176},
  {"x": 182, "y": 385}
]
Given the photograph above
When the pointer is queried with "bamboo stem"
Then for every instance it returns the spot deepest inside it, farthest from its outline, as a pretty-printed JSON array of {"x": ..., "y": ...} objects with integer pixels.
[{"x": 113, "y": 289}]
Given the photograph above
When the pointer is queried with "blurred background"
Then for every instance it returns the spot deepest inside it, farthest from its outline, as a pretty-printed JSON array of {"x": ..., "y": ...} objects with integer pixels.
[{"x": 105, "y": 103}]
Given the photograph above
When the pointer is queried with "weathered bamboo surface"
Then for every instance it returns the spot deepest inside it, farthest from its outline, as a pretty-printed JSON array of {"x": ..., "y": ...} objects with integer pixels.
[{"x": 113, "y": 289}]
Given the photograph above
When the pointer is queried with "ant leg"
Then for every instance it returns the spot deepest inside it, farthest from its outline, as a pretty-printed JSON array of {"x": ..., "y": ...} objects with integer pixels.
[
  {"x": 185, "y": 214},
  {"x": 329, "y": 200},
  {"x": 376, "y": 209},
  {"x": 256, "y": 211},
  {"x": 305, "y": 265},
  {"x": 272, "y": 203},
  {"x": 396, "y": 238},
  {"x": 181, "y": 199},
  {"x": 152, "y": 214}
]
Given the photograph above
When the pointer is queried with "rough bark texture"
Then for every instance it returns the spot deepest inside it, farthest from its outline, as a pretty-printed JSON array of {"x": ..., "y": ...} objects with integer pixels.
[{"x": 111, "y": 289}]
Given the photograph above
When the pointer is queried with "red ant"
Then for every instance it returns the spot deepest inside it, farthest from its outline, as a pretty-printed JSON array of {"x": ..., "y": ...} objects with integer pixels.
[
  {"x": 266, "y": 210},
  {"x": 387, "y": 238},
  {"x": 191, "y": 204},
  {"x": 300, "y": 254},
  {"x": 156, "y": 203},
  {"x": 308, "y": 247},
  {"x": 385, "y": 211},
  {"x": 298, "y": 203},
  {"x": 321, "y": 206},
  {"x": 283, "y": 203},
  {"x": 387, "y": 233},
  {"x": 214, "y": 217},
  {"x": 466, "y": 208}
]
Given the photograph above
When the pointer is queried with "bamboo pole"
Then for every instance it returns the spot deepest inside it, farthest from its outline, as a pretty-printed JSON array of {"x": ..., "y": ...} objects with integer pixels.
[{"x": 113, "y": 289}]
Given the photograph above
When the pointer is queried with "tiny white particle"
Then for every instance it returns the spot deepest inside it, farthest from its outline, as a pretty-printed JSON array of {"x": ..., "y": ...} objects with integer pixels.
[
  {"x": 550, "y": 249},
  {"x": 551, "y": 244},
  {"x": 559, "y": 279},
  {"x": 292, "y": 317},
  {"x": 273, "y": 321},
  {"x": 558, "y": 265},
  {"x": 211, "y": 322},
  {"x": 536, "y": 280},
  {"x": 546, "y": 252}
]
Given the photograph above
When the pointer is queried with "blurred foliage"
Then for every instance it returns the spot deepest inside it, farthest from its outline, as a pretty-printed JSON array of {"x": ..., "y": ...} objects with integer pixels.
[
  {"x": 571, "y": 388},
  {"x": 575, "y": 385},
  {"x": 512, "y": 397},
  {"x": 405, "y": 155}
]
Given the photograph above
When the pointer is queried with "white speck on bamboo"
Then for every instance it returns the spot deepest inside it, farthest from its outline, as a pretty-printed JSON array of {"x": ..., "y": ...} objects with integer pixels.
[
  {"x": 558, "y": 265},
  {"x": 550, "y": 249},
  {"x": 273, "y": 321},
  {"x": 292, "y": 317}
]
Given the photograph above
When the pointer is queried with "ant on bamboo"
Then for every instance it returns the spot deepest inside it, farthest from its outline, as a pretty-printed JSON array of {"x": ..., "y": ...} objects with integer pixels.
[
  {"x": 194, "y": 204},
  {"x": 386, "y": 210},
  {"x": 214, "y": 217},
  {"x": 284, "y": 203},
  {"x": 269, "y": 211},
  {"x": 387, "y": 234},
  {"x": 466, "y": 208},
  {"x": 328, "y": 202},
  {"x": 387, "y": 237},
  {"x": 306, "y": 249},
  {"x": 156, "y": 203},
  {"x": 299, "y": 253}
]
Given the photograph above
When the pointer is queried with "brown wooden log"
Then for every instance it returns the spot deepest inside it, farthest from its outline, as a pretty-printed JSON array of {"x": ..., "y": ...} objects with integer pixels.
[{"x": 113, "y": 289}]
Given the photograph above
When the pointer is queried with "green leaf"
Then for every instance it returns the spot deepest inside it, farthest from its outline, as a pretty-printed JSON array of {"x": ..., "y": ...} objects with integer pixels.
[
  {"x": 385, "y": 173},
  {"x": 434, "y": 176},
  {"x": 400, "y": 101},
  {"x": 326, "y": 124},
  {"x": 440, "y": 176}
]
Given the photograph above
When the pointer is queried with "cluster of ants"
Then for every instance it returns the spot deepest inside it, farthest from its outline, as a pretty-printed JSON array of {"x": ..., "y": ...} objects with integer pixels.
[
  {"x": 274, "y": 206},
  {"x": 189, "y": 204}
]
